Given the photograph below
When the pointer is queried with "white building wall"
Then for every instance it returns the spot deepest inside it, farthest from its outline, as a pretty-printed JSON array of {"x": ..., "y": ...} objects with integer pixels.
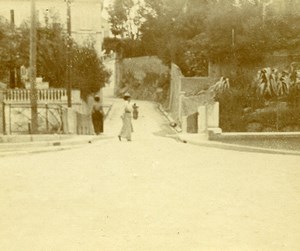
[{"x": 86, "y": 16}]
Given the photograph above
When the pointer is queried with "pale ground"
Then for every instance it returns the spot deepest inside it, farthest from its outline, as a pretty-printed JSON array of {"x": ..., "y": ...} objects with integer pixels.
[{"x": 153, "y": 193}]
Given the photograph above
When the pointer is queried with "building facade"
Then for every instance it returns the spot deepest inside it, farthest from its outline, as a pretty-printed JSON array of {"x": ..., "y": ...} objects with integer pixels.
[{"x": 87, "y": 22}]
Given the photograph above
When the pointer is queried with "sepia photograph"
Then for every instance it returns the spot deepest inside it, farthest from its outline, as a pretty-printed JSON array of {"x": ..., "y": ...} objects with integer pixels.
[{"x": 150, "y": 125}]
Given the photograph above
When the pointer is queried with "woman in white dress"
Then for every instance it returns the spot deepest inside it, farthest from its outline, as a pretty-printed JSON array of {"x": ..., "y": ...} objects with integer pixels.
[{"x": 127, "y": 128}]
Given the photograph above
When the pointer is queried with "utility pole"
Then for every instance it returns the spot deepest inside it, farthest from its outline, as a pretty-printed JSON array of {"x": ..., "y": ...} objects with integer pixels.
[
  {"x": 33, "y": 91},
  {"x": 12, "y": 78},
  {"x": 69, "y": 49}
]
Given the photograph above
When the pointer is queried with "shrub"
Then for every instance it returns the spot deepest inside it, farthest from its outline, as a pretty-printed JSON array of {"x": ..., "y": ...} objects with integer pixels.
[
  {"x": 231, "y": 111},
  {"x": 153, "y": 86}
]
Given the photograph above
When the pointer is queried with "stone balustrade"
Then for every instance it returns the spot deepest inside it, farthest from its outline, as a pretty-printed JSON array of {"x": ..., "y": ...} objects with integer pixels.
[
  {"x": 43, "y": 95},
  {"x": 55, "y": 95}
]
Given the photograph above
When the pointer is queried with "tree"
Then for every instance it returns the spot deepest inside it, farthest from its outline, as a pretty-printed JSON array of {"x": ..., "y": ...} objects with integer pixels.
[
  {"x": 127, "y": 47},
  {"x": 123, "y": 18},
  {"x": 88, "y": 72},
  {"x": 9, "y": 39},
  {"x": 191, "y": 33}
]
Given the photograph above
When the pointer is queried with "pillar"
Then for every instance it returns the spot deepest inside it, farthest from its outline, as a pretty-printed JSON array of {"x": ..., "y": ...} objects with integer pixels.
[
  {"x": 184, "y": 124},
  {"x": 213, "y": 118},
  {"x": 202, "y": 119}
]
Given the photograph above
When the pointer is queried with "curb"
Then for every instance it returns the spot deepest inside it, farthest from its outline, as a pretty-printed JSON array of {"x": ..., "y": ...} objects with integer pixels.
[
  {"x": 235, "y": 147},
  {"x": 177, "y": 129},
  {"x": 12, "y": 149},
  {"x": 224, "y": 146}
]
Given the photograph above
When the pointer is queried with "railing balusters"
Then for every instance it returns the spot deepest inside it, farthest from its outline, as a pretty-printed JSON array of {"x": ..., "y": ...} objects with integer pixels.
[
  {"x": 27, "y": 95},
  {"x": 45, "y": 95},
  {"x": 51, "y": 94},
  {"x": 61, "y": 94},
  {"x": 22, "y": 95}
]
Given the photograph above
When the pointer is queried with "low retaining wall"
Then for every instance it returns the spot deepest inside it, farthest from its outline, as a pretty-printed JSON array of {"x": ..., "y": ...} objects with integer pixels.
[
  {"x": 258, "y": 135},
  {"x": 75, "y": 122},
  {"x": 32, "y": 138}
]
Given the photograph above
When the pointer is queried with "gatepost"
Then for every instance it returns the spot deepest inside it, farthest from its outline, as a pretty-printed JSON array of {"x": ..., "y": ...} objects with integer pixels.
[
  {"x": 202, "y": 119},
  {"x": 184, "y": 124},
  {"x": 71, "y": 121},
  {"x": 213, "y": 118}
]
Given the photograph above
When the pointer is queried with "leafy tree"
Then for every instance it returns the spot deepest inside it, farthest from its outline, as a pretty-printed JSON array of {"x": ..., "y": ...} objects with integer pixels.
[
  {"x": 9, "y": 59},
  {"x": 127, "y": 47},
  {"x": 88, "y": 73},
  {"x": 193, "y": 32},
  {"x": 123, "y": 19},
  {"x": 4, "y": 49}
]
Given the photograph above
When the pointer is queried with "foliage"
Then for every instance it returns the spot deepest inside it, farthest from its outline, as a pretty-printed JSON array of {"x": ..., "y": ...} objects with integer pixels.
[
  {"x": 123, "y": 19},
  {"x": 289, "y": 119},
  {"x": 220, "y": 86},
  {"x": 88, "y": 73},
  {"x": 232, "y": 104},
  {"x": 285, "y": 85},
  {"x": 192, "y": 33},
  {"x": 9, "y": 42},
  {"x": 111, "y": 44},
  {"x": 272, "y": 83},
  {"x": 167, "y": 31},
  {"x": 294, "y": 94},
  {"x": 127, "y": 47},
  {"x": 153, "y": 86}
]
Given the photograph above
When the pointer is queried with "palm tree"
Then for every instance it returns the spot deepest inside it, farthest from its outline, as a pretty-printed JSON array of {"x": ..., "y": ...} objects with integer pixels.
[{"x": 220, "y": 86}]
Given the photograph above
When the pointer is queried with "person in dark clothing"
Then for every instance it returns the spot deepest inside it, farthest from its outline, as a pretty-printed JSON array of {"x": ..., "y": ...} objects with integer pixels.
[{"x": 97, "y": 116}]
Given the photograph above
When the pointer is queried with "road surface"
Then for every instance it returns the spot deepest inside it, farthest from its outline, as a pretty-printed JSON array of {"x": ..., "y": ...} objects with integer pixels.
[{"x": 153, "y": 193}]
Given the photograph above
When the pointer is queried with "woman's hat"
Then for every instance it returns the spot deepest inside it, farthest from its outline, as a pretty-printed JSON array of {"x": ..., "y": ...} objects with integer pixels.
[{"x": 127, "y": 94}]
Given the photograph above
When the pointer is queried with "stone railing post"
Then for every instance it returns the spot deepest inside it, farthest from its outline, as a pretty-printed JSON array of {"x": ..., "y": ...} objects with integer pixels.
[
  {"x": 71, "y": 121},
  {"x": 213, "y": 117}
]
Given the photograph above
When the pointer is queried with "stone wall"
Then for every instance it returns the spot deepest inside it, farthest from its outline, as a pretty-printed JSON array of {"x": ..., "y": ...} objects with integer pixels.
[
  {"x": 175, "y": 93},
  {"x": 186, "y": 95},
  {"x": 194, "y": 85},
  {"x": 141, "y": 65},
  {"x": 190, "y": 104}
]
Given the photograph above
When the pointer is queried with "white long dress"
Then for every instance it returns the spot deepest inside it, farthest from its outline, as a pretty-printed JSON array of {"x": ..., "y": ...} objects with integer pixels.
[{"x": 127, "y": 128}]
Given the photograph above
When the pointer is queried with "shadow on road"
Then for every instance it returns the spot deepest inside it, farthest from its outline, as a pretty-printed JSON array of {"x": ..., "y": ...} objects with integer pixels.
[{"x": 165, "y": 131}]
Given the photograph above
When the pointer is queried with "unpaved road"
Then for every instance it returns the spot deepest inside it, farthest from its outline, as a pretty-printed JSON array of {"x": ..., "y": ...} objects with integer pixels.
[{"x": 153, "y": 193}]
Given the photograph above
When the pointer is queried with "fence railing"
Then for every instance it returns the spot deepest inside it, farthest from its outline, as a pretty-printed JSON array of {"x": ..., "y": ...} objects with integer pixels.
[
  {"x": 45, "y": 95},
  {"x": 18, "y": 118}
]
